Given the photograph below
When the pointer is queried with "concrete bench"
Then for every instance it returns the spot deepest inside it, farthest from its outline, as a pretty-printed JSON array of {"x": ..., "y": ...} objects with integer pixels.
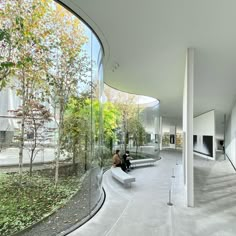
[
  {"x": 142, "y": 162},
  {"x": 121, "y": 176}
]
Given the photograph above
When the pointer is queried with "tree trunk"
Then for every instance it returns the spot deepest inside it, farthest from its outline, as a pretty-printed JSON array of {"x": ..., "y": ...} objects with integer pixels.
[
  {"x": 57, "y": 162},
  {"x": 32, "y": 159},
  {"x": 111, "y": 144},
  {"x": 21, "y": 147},
  {"x": 33, "y": 148},
  {"x": 73, "y": 159},
  {"x": 22, "y": 134},
  {"x": 85, "y": 154},
  {"x": 136, "y": 148},
  {"x": 60, "y": 129},
  {"x": 125, "y": 133},
  {"x": 31, "y": 162}
]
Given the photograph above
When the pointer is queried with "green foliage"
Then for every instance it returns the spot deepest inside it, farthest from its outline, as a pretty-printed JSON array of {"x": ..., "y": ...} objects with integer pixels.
[
  {"x": 23, "y": 31},
  {"x": 137, "y": 131},
  {"x": 166, "y": 139},
  {"x": 76, "y": 137},
  {"x": 78, "y": 117},
  {"x": 111, "y": 115},
  {"x": 25, "y": 204},
  {"x": 41, "y": 50},
  {"x": 4, "y": 35},
  {"x": 129, "y": 126},
  {"x": 77, "y": 121}
]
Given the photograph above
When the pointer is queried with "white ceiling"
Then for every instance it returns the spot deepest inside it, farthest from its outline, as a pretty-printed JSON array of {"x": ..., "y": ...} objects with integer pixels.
[{"x": 148, "y": 39}]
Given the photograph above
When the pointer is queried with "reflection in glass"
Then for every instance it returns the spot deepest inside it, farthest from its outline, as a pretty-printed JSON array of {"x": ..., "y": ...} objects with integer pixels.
[
  {"x": 51, "y": 129},
  {"x": 132, "y": 123}
]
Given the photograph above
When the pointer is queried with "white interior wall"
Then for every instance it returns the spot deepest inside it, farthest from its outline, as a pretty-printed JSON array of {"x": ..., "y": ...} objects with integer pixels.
[
  {"x": 230, "y": 137},
  {"x": 204, "y": 124}
]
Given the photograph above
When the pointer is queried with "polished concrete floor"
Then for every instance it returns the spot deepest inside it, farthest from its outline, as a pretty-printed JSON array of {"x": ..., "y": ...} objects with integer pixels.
[{"x": 142, "y": 210}]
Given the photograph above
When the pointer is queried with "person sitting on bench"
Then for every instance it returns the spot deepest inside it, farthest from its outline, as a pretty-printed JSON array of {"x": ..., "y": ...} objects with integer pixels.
[
  {"x": 126, "y": 158},
  {"x": 117, "y": 162}
]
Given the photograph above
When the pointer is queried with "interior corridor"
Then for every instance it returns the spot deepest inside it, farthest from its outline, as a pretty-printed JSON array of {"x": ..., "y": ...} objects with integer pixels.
[{"x": 143, "y": 210}]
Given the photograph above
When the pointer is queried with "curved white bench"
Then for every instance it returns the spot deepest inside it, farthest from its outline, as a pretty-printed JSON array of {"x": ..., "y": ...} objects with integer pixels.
[
  {"x": 142, "y": 162},
  {"x": 121, "y": 176}
]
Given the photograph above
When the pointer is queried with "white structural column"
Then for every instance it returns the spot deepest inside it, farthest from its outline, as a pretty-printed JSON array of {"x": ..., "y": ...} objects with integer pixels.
[
  {"x": 160, "y": 132},
  {"x": 188, "y": 127}
]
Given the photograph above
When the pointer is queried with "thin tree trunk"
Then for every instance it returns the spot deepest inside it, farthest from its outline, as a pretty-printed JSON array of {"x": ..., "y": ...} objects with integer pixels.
[
  {"x": 31, "y": 162},
  {"x": 58, "y": 155},
  {"x": 32, "y": 157},
  {"x": 85, "y": 155},
  {"x": 57, "y": 162},
  {"x": 60, "y": 129},
  {"x": 136, "y": 147},
  {"x": 124, "y": 132},
  {"x": 33, "y": 148},
  {"x": 21, "y": 146},
  {"x": 110, "y": 144},
  {"x": 73, "y": 159},
  {"x": 22, "y": 134}
]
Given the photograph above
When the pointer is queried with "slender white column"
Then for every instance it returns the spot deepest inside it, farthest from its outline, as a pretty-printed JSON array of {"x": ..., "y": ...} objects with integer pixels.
[
  {"x": 160, "y": 133},
  {"x": 184, "y": 156},
  {"x": 188, "y": 126}
]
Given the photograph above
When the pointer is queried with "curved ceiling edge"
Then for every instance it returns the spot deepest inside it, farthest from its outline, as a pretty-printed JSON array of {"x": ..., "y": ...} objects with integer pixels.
[
  {"x": 75, "y": 9},
  {"x": 125, "y": 91}
]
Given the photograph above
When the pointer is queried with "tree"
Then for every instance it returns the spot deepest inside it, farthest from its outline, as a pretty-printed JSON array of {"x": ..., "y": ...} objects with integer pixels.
[
  {"x": 136, "y": 131},
  {"x": 111, "y": 117},
  {"x": 42, "y": 52},
  {"x": 70, "y": 66},
  {"x": 80, "y": 131},
  {"x": 5, "y": 56},
  {"x": 24, "y": 56},
  {"x": 36, "y": 117},
  {"x": 128, "y": 109},
  {"x": 76, "y": 128},
  {"x": 22, "y": 31},
  {"x": 6, "y": 45},
  {"x": 129, "y": 123}
]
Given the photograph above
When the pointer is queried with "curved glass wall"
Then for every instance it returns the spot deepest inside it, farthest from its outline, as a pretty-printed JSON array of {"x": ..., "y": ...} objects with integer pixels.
[
  {"x": 178, "y": 140},
  {"x": 131, "y": 123},
  {"x": 51, "y": 88},
  {"x": 166, "y": 140}
]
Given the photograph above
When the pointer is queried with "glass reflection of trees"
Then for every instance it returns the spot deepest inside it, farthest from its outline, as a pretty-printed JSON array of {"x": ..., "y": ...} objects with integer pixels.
[
  {"x": 50, "y": 112},
  {"x": 135, "y": 122}
]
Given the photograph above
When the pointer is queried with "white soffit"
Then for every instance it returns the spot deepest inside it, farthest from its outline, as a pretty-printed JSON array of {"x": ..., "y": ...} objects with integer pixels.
[{"x": 149, "y": 40}]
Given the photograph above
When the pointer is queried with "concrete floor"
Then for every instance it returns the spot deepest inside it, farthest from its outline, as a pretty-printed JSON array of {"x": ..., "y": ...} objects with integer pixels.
[{"x": 142, "y": 210}]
